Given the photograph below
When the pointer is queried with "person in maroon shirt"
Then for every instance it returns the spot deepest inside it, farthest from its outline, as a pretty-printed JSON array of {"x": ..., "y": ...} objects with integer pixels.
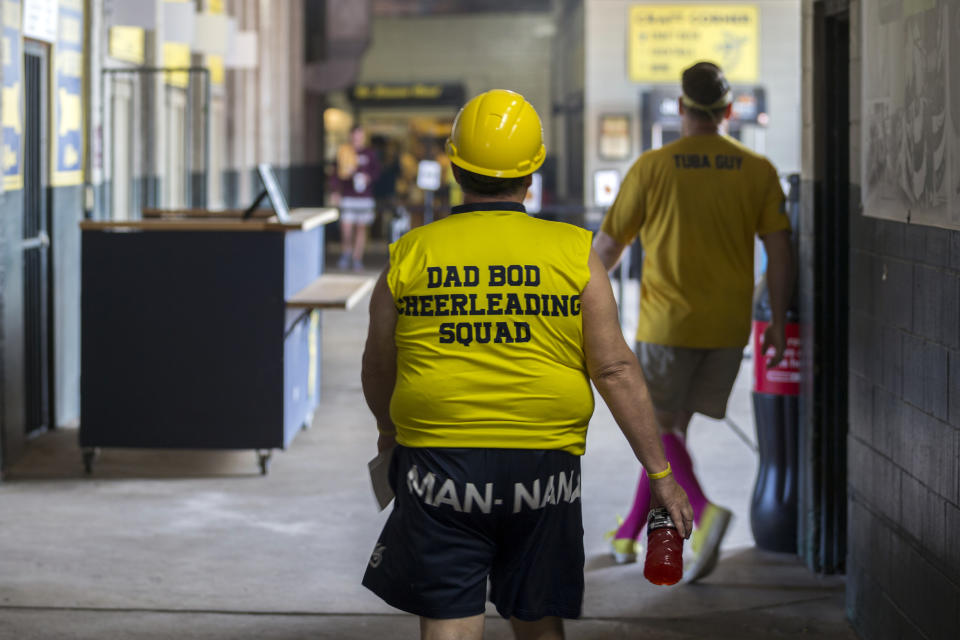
[{"x": 352, "y": 191}]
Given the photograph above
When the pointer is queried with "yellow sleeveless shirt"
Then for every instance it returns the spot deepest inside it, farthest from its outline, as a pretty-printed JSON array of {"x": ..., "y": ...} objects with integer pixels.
[{"x": 489, "y": 332}]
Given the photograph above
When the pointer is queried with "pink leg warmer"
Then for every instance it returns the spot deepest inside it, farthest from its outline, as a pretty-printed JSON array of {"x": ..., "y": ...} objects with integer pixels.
[
  {"x": 682, "y": 467},
  {"x": 637, "y": 518}
]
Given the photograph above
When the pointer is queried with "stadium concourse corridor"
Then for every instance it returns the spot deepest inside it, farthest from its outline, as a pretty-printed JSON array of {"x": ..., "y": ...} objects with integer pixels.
[{"x": 166, "y": 544}]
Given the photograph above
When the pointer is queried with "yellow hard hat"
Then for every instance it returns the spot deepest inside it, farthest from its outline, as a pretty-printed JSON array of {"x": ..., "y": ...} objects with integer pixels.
[{"x": 497, "y": 134}]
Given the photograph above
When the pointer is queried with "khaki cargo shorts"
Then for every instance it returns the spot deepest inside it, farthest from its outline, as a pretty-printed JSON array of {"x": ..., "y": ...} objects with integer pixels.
[{"x": 685, "y": 379}]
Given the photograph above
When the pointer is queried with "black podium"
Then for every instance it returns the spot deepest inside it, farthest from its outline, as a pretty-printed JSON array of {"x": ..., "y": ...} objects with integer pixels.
[{"x": 188, "y": 340}]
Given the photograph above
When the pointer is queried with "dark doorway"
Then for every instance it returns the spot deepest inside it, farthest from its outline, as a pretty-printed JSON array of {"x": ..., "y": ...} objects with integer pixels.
[
  {"x": 37, "y": 325},
  {"x": 823, "y": 489}
]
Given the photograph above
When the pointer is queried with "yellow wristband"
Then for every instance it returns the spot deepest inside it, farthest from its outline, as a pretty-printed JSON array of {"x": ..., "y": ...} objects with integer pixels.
[{"x": 660, "y": 474}]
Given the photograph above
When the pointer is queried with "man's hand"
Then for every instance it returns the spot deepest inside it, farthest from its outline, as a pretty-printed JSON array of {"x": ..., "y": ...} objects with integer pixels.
[
  {"x": 774, "y": 337},
  {"x": 335, "y": 199},
  {"x": 780, "y": 279},
  {"x": 667, "y": 493}
]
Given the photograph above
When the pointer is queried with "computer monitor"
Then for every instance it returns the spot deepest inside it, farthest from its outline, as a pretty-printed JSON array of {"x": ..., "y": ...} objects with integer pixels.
[{"x": 271, "y": 189}]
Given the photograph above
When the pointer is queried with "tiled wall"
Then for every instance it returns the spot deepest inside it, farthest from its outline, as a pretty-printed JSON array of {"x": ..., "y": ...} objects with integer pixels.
[
  {"x": 904, "y": 442},
  {"x": 903, "y": 561}
]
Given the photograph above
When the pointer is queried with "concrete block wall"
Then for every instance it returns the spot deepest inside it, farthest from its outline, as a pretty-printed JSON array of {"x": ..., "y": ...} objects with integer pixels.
[{"x": 904, "y": 442}]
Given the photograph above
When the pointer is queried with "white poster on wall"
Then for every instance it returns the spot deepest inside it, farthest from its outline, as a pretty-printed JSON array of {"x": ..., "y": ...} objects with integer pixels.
[
  {"x": 179, "y": 22},
  {"x": 243, "y": 51},
  {"x": 428, "y": 175},
  {"x": 606, "y": 185},
  {"x": 910, "y": 121},
  {"x": 211, "y": 34},
  {"x": 40, "y": 20}
]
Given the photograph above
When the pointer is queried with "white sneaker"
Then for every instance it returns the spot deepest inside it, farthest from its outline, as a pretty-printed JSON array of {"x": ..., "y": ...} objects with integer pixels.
[{"x": 623, "y": 550}]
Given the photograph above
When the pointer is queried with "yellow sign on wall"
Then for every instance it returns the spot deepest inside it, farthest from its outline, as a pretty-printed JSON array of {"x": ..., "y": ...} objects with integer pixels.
[
  {"x": 176, "y": 55},
  {"x": 11, "y": 152},
  {"x": 217, "y": 69},
  {"x": 127, "y": 44},
  {"x": 665, "y": 39},
  {"x": 215, "y": 62},
  {"x": 68, "y": 136}
]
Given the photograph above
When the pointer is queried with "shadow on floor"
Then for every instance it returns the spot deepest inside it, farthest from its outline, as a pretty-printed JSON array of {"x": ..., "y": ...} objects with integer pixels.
[{"x": 56, "y": 455}]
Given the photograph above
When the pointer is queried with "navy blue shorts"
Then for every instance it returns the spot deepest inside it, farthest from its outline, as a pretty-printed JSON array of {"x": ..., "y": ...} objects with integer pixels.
[{"x": 462, "y": 516}]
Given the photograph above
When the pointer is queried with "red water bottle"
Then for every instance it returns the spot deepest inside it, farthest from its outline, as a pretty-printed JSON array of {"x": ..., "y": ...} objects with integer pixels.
[{"x": 664, "y": 563}]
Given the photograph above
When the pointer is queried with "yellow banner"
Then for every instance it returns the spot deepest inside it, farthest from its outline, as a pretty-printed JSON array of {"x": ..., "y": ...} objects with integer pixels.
[
  {"x": 217, "y": 71},
  {"x": 665, "y": 39},
  {"x": 215, "y": 63},
  {"x": 127, "y": 44},
  {"x": 177, "y": 54},
  {"x": 12, "y": 97},
  {"x": 11, "y": 14},
  {"x": 68, "y": 137}
]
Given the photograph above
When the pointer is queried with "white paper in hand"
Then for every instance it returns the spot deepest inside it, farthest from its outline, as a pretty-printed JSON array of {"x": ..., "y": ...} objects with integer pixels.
[{"x": 380, "y": 478}]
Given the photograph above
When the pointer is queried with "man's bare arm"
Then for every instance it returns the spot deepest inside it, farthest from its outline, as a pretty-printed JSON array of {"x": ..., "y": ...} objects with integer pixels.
[
  {"x": 608, "y": 249},
  {"x": 379, "y": 371},
  {"x": 616, "y": 373},
  {"x": 780, "y": 280}
]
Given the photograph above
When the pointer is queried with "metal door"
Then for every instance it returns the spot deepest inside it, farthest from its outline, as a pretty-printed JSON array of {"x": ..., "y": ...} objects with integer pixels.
[
  {"x": 823, "y": 447},
  {"x": 36, "y": 242}
]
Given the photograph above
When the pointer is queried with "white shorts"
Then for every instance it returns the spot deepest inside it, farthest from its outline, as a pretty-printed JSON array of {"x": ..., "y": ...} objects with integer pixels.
[
  {"x": 357, "y": 210},
  {"x": 685, "y": 379}
]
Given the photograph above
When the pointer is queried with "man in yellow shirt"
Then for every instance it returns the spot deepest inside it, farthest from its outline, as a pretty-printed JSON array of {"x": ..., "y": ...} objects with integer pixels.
[
  {"x": 697, "y": 204},
  {"x": 485, "y": 332}
]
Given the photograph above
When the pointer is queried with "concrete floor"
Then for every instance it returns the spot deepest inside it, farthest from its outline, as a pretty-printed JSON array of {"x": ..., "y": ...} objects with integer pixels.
[{"x": 171, "y": 544}]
